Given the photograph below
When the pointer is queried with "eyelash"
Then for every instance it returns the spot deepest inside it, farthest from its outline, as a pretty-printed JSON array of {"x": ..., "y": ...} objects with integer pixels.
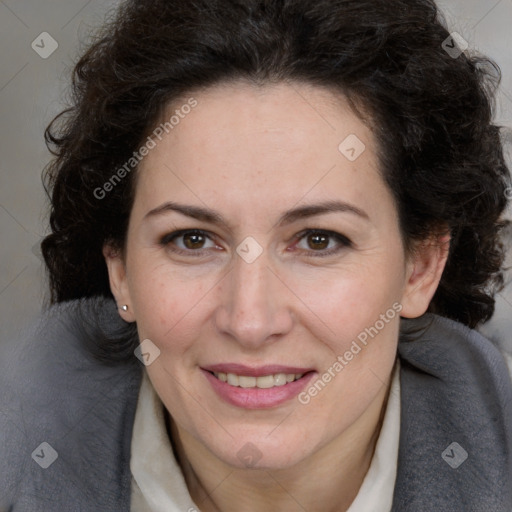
[{"x": 342, "y": 240}]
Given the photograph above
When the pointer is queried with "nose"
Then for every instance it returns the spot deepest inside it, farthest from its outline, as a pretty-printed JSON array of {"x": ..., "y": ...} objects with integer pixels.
[{"x": 255, "y": 306}]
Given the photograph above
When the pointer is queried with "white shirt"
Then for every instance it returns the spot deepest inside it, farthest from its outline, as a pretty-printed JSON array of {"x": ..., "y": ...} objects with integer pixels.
[{"x": 158, "y": 484}]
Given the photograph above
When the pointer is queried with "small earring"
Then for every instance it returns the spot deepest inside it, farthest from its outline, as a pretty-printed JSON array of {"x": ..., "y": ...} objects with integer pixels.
[{"x": 124, "y": 308}]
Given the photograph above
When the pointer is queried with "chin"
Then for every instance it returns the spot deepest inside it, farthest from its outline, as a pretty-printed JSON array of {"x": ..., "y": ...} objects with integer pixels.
[{"x": 261, "y": 452}]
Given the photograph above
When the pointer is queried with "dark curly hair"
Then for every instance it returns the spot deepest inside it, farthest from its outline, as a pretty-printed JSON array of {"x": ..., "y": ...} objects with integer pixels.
[{"x": 431, "y": 113}]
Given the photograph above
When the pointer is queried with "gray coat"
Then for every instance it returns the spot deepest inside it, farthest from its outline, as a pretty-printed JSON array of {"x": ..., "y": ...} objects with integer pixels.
[{"x": 455, "y": 388}]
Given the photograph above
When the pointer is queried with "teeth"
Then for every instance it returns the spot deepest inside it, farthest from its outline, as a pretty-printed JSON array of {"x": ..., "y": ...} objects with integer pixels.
[
  {"x": 246, "y": 382},
  {"x": 264, "y": 382}
]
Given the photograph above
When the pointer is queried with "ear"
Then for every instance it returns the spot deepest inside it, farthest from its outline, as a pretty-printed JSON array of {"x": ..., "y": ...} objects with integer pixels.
[
  {"x": 118, "y": 281},
  {"x": 425, "y": 267}
]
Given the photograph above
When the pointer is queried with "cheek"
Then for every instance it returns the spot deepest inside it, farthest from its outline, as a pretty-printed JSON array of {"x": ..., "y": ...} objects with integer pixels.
[
  {"x": 360, "y": 318},
  {"x": 167, "y": 305},
  {"x": 346, "y": 302}
]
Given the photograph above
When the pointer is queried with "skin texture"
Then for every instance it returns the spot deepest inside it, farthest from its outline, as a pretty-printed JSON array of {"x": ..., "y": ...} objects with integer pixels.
[{"x": 252, "y": 153}]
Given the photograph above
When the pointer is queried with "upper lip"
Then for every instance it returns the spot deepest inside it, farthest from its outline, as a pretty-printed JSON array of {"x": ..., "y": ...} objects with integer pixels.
[{"x": 255, "y": 371}]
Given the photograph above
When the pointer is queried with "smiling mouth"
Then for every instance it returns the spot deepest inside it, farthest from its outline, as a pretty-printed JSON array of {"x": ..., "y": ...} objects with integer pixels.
[{"x": 262, "y": 382}]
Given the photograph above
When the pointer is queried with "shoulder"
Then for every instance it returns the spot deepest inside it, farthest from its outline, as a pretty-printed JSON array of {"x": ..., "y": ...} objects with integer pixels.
[
  {"x": 456, "y": 399},
  {"x": 442, "y": 344},
  {"x": 62, "y": 411},
  {"x": 449, "y": 363}
]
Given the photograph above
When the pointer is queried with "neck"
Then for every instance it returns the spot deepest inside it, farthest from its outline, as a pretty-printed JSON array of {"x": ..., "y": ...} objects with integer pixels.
[{"x": 328, "y": 480}]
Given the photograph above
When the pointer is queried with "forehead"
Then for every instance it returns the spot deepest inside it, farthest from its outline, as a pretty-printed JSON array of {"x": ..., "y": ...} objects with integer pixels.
[{"x": 249, "y": 145}]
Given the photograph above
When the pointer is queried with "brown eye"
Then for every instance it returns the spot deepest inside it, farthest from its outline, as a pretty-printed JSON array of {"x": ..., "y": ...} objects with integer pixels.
[
  {"x": 193, "y": 241},
  {"x": 322, "y": 243},
  {"x": 318, "y": 241}
]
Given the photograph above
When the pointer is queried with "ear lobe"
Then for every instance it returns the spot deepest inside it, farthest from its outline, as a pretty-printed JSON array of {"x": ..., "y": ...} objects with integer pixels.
[
  {"x": 118, "y": 281},
  {"x": 425, "y": 268}
]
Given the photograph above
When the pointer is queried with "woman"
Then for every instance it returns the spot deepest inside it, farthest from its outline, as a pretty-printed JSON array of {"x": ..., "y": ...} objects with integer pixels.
[{"x": 274, "y": 226}]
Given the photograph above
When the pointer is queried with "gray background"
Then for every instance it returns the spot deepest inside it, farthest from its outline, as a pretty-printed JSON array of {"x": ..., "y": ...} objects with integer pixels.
[{"x": 32, "y": 91}]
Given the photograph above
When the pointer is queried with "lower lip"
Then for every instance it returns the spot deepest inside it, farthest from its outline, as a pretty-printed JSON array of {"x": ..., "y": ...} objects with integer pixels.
[{"x": 256, "y": 398}]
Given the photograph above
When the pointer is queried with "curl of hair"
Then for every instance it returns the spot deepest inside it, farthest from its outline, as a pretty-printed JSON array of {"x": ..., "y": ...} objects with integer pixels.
[{"x": 440, "y": 153}]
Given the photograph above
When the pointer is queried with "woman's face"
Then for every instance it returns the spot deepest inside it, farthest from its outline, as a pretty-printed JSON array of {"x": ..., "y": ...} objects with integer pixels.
[{"x": 263, "y": 242}]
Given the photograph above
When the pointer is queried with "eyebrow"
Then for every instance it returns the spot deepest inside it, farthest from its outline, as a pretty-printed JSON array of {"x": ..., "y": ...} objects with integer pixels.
[{"x": 301, "y": 212}]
